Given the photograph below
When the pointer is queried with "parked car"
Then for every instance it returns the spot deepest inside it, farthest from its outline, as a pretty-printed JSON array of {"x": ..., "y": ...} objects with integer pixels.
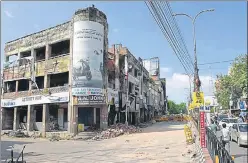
[
  {"x": 222, "y": 116},
  {"x": 228, "y": 121},
  {"x": 239, "y": 133}
]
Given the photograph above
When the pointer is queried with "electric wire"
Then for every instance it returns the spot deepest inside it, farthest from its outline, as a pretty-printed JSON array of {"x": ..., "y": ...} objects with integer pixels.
[
  {"x": 173, "y": 34},
  {"x": 168, "y": 26},
  {"x": 165, "y": 32}
]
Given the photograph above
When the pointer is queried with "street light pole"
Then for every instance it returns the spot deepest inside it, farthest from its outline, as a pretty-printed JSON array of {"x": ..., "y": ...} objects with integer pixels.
[{"x": 197, "y": 82}]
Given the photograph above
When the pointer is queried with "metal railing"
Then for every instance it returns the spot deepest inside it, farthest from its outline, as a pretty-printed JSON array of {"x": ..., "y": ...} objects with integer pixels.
[{"x": 216, "y": 148}]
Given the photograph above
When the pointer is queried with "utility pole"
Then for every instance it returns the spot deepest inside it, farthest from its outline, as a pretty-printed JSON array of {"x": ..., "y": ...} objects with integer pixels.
[{"x": 197, "y": 82}]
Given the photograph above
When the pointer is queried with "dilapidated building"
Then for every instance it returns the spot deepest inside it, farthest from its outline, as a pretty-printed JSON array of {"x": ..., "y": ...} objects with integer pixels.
[
  {"x": 56, "y": 79},
  {"x": 65, "y": 78}
]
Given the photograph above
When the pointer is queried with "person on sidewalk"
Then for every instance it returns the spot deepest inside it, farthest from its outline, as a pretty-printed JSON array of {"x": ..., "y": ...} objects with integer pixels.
[
  {"x": 213, "y": 127},
  {"x": 225, "y": 137}
]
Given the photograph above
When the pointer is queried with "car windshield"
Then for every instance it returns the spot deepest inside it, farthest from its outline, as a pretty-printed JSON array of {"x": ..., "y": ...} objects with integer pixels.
[
  {"x": 243, "y": 127},
  {"x": 233, "y": 120},
  {"x": 222, "y": 117}
]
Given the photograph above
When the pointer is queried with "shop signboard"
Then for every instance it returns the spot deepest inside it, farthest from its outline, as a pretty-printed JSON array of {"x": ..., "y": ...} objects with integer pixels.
[
  {"x": 202, "y": 129},
  {"x": 87, "y": 62},
  {"x": 34, "y": 100},
  {"x": 90, "y": 100}
]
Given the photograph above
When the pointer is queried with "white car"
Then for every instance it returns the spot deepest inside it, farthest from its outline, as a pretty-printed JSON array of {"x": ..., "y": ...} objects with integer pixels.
[
  {"x": 239, "y": 133},
  {"x": 228, "y": 121}
]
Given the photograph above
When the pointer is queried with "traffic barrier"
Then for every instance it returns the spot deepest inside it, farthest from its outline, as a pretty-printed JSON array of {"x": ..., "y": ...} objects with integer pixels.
[
  {"x": 188, "y": 134},
  {"x": 216, "y": 150}
]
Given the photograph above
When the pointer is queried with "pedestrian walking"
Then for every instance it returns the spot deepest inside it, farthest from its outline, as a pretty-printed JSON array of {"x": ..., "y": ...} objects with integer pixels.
[
  {"x": 213, "y": 127},
  {"x": 225, "y": 137}
]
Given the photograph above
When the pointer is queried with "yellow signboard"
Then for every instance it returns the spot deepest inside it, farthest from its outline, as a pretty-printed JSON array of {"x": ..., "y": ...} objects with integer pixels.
[{"x": 198, "y": 98}]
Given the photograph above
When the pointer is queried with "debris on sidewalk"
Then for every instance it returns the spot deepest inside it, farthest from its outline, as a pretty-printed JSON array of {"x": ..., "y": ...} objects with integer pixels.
[
  {"x": 18, "y": 134},
  {"x": 55, "y": 138},
  {"x": 115, "y": 131}
]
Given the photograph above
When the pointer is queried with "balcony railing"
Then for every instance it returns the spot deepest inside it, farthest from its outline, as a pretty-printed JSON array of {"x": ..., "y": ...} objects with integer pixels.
[
  {"x": 35, "y": 92},
  {"x": 56, "y": 64}
]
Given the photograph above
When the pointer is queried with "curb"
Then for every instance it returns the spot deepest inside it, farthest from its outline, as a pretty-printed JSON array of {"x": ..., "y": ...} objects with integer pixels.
[{"x": 204, "y": 156}]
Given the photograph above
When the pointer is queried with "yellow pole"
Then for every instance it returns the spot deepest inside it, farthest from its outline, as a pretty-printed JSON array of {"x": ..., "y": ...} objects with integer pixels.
[
  {"x": 216, "y": 159},
  {"x": 233, "y": 158}
]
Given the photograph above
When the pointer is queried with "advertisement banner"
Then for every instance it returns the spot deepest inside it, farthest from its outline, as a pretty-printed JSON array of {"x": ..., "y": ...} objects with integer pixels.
[
  {"x": 90, "y": 100},
  {"x": 88, "y": 49},
  {"x": 113, "y": 95},
  {"x": 34, "y": 100},
  {"x": 202, "y": 130}
]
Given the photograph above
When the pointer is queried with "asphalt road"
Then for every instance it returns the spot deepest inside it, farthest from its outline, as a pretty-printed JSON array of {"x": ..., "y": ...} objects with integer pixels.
[{"x": 240, "y": 153}]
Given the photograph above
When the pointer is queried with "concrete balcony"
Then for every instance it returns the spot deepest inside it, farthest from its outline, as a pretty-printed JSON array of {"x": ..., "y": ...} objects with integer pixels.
[
  {"x": 13, "y": 95},
  {"x": 53, "y": 65}
]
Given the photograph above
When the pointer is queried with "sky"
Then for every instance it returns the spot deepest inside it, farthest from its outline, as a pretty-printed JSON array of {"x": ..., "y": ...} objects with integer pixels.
[{"x": 220, "y": 35}]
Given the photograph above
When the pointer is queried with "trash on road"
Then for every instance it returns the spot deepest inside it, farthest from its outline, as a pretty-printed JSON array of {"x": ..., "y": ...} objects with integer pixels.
[{"x": 115, "y": 131}]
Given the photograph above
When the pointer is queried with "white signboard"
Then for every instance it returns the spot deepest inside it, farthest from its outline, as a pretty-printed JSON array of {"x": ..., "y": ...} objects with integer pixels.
[
  {"x": 34, "y": 100},
  {"x": 88, "y": 49},
  {"x": 113, "y": 94}
]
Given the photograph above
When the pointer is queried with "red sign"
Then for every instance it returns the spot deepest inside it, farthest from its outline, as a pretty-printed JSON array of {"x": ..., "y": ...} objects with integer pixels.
[{"x": 202, "y": 130}]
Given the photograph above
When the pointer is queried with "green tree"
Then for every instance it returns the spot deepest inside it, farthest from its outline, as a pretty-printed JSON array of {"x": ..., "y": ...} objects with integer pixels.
[
  {"x": 233, "y": 85},
  {"x": 174, "y": 108}
]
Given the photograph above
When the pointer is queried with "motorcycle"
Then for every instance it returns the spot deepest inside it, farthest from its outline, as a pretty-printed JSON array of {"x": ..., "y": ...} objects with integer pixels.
[{"x": 84, "y": 70}]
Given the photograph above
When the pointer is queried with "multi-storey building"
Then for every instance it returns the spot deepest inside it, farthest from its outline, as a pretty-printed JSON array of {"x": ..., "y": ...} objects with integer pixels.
[
  {"x": 56, "y": 79},
  {"x": 65, "y": 78}
]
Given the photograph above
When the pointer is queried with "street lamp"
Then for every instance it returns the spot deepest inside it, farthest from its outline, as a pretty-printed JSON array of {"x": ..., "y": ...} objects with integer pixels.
[{"x": 196, "y": 77}]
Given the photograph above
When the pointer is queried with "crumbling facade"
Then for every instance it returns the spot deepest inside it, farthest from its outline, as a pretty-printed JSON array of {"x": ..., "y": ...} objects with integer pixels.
[
  {"x": 65, "y": 78},
  {"x": 48, "y": 76}
]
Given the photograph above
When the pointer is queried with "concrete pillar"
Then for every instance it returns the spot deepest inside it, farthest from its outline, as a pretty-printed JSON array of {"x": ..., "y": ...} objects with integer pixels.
[
  {"x": 104, "y": 117},
  {"x": 47, "y": 81},
  {"x": 30, "y": 118},
  {"x": 45, "y": 119},
  {"x": 48, "y": 51},
  {"x": 69, "y": 113},
  {"x": 16, "y": 119},
  {"x": 94, "y": 114}
]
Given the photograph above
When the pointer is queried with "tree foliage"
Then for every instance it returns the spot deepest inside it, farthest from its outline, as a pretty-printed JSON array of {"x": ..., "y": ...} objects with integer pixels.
[
  {"x": 234, "y": 85},
  {"x": 174, "y": 108}
]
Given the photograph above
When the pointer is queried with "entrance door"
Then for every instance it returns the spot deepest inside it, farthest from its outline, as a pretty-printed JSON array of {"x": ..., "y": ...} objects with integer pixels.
[{"x": 85, "y": 116}]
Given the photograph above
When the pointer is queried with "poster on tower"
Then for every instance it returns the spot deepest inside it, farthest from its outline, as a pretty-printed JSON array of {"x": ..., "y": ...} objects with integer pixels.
[{"x": 87, "y": 61}]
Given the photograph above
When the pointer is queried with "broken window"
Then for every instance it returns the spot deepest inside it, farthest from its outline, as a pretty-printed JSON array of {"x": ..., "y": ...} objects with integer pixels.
[
  {"x": 23, "y": 55},
  {"x": 9, "y": 60},
  {"x": 39, "y": 81},
  {"x": 60, "y": 79},
  {"x": 135, "y": 72},
  {"x": 23, "y": 85},
  {"x": 60, "y": 48},
  {"x": 40, "y": 53},
  {"x": 9, "y": 86}
]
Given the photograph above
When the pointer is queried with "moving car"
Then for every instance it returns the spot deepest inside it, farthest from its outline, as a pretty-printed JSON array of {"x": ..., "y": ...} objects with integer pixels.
[
  {"x": 239, "y": 133},
  {"x": 228, "y": 121}
]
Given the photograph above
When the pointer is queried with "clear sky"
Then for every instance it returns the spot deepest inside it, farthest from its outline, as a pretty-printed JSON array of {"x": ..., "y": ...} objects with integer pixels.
[{"x": 221, "y": 35}]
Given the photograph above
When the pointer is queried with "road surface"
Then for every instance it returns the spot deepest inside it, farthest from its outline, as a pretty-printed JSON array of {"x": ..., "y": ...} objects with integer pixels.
[{"x": 160, "y": 143}]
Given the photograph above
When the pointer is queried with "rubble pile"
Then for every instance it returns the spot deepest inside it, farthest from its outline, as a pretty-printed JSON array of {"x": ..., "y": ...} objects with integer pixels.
[
  {"x": 18, "y": 134},
  {"x": 115, "y": 131}
]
